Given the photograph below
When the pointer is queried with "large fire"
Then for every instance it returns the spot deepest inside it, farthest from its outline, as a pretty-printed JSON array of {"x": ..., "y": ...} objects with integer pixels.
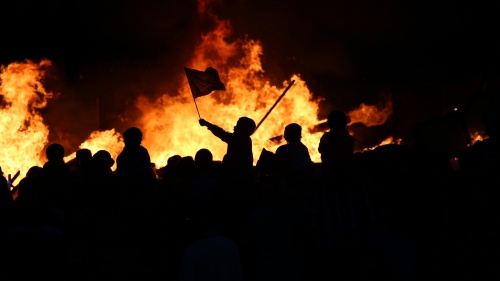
[
  {"x": 23, "y": 135},
  {"x": 170, "y": 123}
]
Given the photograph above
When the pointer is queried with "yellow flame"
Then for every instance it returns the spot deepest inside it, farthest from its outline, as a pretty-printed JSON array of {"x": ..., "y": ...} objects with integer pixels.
[
  {"x": 23, "y": 135},
  {"x": 109, "y": 140},
  {"x": 170, "y": 123},
  {"x": 171, "y": 126}
]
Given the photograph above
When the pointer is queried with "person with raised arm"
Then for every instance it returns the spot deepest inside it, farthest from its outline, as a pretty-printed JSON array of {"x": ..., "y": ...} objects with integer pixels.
[{"x": 238, "y": 160}]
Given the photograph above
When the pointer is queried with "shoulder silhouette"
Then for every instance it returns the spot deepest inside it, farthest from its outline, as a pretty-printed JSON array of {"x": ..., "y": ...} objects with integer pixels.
[{"x": 337, "y": 145}]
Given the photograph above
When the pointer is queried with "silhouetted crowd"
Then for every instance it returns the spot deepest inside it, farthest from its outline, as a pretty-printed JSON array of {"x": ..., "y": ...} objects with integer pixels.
[{"x": 398, "y": 212}]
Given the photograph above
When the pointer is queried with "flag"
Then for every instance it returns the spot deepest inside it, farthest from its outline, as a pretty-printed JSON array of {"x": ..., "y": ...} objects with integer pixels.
[{"x": 203, "y": 83}]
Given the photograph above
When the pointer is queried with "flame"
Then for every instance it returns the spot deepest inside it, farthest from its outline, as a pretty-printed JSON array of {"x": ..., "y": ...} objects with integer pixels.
[
  {"x": 372, "y": 115},
  {"x": 477, "y": 136},
  {"x": 23, "y": 135},
  {"x": 170, "y": 123},
  {"x": 109, "y": 140},
  {"x": 387, "y": 141}
]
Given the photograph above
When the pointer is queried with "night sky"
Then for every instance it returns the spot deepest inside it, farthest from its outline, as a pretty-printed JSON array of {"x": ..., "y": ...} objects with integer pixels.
[{"x": 430, "y": 55}]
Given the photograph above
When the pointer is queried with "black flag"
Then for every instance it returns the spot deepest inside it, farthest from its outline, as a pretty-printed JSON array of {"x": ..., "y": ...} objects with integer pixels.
[{"x": 203, "y": 83}]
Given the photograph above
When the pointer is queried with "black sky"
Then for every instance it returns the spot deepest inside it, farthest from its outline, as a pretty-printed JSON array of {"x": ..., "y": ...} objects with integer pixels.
[
  {"x": 348, "y": 51},
  {"x": 387, "y": 41}
]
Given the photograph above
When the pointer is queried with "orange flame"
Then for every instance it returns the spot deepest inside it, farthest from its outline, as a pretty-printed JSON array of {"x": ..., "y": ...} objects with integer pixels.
[
  {"x": 372, "y": 115},
  {"x": 109, "y": 140},
  {"x": 477, "y": 136},
  {"x": 170, "y": 123},
  {"x": 23, "y": 135},
  {"x": 387, "y": 141}
]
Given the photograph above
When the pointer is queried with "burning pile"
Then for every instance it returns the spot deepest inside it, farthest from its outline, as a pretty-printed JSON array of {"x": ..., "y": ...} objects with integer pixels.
[{"x": 170, "y": 123}]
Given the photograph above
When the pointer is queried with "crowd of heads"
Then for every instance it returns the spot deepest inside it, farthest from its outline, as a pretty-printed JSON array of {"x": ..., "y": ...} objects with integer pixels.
[{"x": 141, "y": 218}]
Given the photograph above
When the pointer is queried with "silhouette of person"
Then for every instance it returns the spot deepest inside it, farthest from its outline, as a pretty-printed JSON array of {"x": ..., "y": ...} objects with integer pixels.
[
  {"x": 92, "y": 216},
  {"x": 83, "y": 158},
  {"x": 55, "y": 164},
  {"x": 28, "y": 187},
  {"x": 293, "y": 160},
  {"x": 168, "y": 172},
  {"x": 137, "y": 183},
  {"x": 211, "y": 255},
  {"x": 205, "y": 180},
  {"x": 203, "y": 160},
  {"x": 337, "y": 146},
  {"x": 56, "y": 177},
  {"x": 6, "y": 199},
  {"x": 37, "y": 231},
  {"x": 6, "y": 204},
  {"x": 101, "y": 163},
  {"x": 272, "y": 242},
  {"x": 134, "y": 157},
  {"x": 56, "y": 174},
  {"x": 238, "y": 159}
]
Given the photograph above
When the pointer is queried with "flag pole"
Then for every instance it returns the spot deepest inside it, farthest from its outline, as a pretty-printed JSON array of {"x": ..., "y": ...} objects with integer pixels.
[
  {"x": 265, "y": 116},
  {"x": 192, "y": 93},
  {"x": 196, "y": 107}
]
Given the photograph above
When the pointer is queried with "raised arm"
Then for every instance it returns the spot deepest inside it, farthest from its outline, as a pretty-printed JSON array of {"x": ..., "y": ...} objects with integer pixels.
[{"x": 216, "y": 130}]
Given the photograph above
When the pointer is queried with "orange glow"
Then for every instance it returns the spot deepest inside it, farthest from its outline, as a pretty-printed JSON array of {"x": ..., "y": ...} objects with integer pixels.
[
  {"x": 170, "y": 123},
  {"x": 477, "y": 136},
  {"x": 387, "y": 141},
  {"x": 371, "y": 115},
  {"x": 109, "y": 140},
  {"x": 23, "y": 135}
]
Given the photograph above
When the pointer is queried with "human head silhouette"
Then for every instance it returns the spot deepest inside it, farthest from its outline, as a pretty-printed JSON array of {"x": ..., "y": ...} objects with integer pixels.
[
  {"x": 245, "y": 126},
  {"x": 293, "y": 132},
  {"x": 173, "y": 160},
  {"x": 186, "y": 167},
  {"x": 83, "y": 155},
  {"x": 132, "y": 136},
  {"x": 203, "y": 158},
  {"x": 102, "y": 160},
  {"x": 54, "y": 152},
  {"x": 337, "y": 120},
  {"x": 34, "y": 171}
]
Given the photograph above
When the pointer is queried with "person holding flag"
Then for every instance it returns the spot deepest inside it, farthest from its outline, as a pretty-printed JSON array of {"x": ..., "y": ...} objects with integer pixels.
[{"x": 238, "y": 160}]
